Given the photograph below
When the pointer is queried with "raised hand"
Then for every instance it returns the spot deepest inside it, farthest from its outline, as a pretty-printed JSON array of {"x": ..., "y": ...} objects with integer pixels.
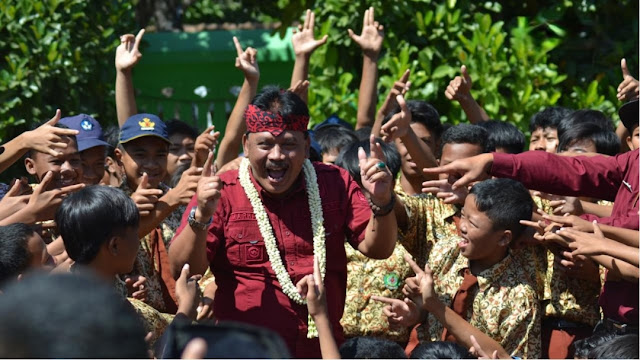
[
  {"x": 247, "y": 61},
  {"x": 628, "y": 88},
  {"x": 208, "y": 191},
  {"x": 205, "y": 309},
  {"x": 303, "y": 40},
  {"x": 399, "y": 313},
  {"x": 583, "y": 243},
  {"x": 400, "y": 87},
  {"x": 477, "y": 351},
  {"x": 399, "y": 124},
  {"x": 376, "y": 177},
  {"x": 463, "y": 172},
  {"x": 12, "y": 201},
  {"x": 136, "y": 288},
  {"x": 188, "y": 293},
  {"x": 311, "y": 288},
  {"x": 205, "y": 143},
  {"x": 127, "y": 53},
  {"x": 47, "y": 138},
  {"x": 300, "y": 88},
  {"x": 45, "y": 203},
  {"x": 186, "y": 187},
  {"x": 573, "y": 221},
  {"x": 370, "y": 40},
  {"x": 144, "y": 197},
  {"x": 459, "y": 88},
  {"x": 425, "y": 281},
  {"x": 442, "y": 190}
]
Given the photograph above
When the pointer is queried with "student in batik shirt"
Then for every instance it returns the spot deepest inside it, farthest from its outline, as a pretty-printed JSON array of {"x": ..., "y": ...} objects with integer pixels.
[
  {"x": 99, "y": 227},
  {"x": 477, "y": 277}
]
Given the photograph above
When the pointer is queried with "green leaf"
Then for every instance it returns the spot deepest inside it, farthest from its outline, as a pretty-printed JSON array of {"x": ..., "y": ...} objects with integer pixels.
[
  {"x": 557, "y": 30},
  {"x": 442, "y": 71}
]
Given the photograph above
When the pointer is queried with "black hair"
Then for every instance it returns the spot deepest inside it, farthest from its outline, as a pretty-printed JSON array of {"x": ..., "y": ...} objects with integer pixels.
[
  {"x": 505, "y": 202},
  {"x": 348, "y": 158},
  {"x": 585, "y": 116},
  {"x": 548, "y": 118},
  {"x": 366, "y": 347},
  {"x": 334, "y": 137},
  {"x": 582, "y": 347},
  {"x": 90, "y": 217},
  {"x": 111, "y": 135},
  {"x": 620, "y": 347},
  {"x": 14, "y": 253},
  {"x": 605, "y": 141},
  {"x": 68, "y": 316},
  {"x": 504, "y": 135},
  {"x": 440, "y": 350},
  {"x": 31, "y": 153},
  {"x": 180, "y": 127},
  {"x": 285, "y": 103},
  {"x": 364, "y": 133},
  {"x": 423, "y": 113},
  {"x": 465, "y": 134},
  {"x": 177, "y": 175}
]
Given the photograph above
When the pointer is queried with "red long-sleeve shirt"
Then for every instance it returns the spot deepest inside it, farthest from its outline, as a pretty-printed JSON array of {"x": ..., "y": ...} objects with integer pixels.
[
  {"x": 248, "y": 290},
  {"x": 609, "y": 178}
]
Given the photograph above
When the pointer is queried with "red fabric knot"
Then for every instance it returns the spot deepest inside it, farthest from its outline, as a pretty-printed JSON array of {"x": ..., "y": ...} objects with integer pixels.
[{"x": 259, "y": 120}]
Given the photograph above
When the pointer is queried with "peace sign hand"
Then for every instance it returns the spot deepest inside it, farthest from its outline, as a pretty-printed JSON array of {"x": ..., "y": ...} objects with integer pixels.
[
  {"x": 303, "y": 40},
  {"x": 370, "y": 40},
  {"x": 127, "y": 53}
]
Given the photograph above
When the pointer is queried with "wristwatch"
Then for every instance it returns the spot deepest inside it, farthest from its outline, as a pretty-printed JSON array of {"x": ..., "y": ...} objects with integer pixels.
[{"x": 197, "y": 224}]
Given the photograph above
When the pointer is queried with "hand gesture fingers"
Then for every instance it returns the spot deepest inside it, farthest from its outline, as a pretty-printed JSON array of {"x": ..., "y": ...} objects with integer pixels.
[{"x": 138, "y": 39}]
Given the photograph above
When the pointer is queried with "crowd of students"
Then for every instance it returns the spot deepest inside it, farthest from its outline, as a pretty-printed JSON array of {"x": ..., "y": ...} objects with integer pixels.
[{"x": 401, "y": 237}]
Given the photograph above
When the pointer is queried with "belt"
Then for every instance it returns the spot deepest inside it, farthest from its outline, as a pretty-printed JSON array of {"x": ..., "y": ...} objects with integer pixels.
[{"x": 558, "y": 323}]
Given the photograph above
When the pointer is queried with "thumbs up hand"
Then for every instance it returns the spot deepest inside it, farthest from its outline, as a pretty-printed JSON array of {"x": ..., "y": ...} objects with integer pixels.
[
  {"x": 144, "y": 197},
  {"x": 459, "y": 88},
  {"x": 628, "y": 88}
]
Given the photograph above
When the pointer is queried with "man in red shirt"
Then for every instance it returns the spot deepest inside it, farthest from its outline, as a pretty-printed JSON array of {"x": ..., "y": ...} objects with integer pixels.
[{"x": 259, "y": 227}]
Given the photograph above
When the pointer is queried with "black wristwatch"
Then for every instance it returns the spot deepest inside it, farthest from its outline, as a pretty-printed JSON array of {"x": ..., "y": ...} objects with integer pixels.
[{"x": 197, "y": 224}]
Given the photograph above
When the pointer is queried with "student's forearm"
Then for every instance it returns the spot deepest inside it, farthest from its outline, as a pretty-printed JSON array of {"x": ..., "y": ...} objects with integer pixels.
[
  {"x": 619, "y": 251},
  {"x": 189, "y": 247},
  {"x": 595, "y": 209},
  {"x": 24, "y": 215},
  {"x": 13, "y": 150},
  {"x": 300, "y": 72},
  {"x": 625, "y": 236},
  {"x": 380, "y": 237},
  {"x": 462, "y": 330},
  {"x": 475, "y": 113},
  {"x": 236, "y": 126},
  {"x": 328, "y": 346},
  {"x": 377, "y": 124},
  {"x": 125, "y": 96},
  {"x": 420, "y": 153},
  {"x": 368, "y": 92},
  {"x": 617, "y": 267},
  {"x": 164, "y": 207}
]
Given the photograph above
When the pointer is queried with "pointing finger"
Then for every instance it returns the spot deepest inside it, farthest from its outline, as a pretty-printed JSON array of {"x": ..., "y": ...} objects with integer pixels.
[
  {"x": 625, "y": 69},
  {"x": 238, "y": 46},
  {"x": 136, "y": 45},
  {"x": 413, "y": 264},
  {"x": 54, "y": 120}
]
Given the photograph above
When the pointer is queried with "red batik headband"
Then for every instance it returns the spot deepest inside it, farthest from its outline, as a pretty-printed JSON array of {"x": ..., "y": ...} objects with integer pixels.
[{"x": 259, "y": 120}]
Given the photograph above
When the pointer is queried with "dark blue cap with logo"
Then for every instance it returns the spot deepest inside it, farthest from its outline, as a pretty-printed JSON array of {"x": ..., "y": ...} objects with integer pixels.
[
  {"x": 141, "y": 125},
  {"x": 90, "y": 131}
]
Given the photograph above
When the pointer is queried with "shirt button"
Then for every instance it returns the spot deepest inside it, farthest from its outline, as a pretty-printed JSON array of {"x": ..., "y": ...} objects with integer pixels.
[
  {"x": 287, "y": 233},
  {"x": 239, "y": 236},
  {"x": 361, "y": 290},
  {"x": 358, "y": 314}
]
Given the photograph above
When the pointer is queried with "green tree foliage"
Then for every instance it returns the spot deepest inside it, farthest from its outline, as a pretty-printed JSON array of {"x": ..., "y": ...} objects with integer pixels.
[
  {"x": 58, "y": 54},
  {"x": 521, "y": 55}
]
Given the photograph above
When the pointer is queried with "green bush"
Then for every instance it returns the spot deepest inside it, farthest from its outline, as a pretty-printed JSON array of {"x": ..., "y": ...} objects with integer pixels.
[
  {"x": 522, "y": 55},
  {"x": 58, "y": 54}
]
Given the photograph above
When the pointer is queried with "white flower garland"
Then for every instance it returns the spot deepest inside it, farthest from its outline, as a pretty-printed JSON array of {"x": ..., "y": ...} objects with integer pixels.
[{"x": 317, "y": 225}]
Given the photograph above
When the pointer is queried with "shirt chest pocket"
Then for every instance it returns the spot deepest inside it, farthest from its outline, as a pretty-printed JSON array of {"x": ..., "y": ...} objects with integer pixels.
[{"x": 245, "y": 246}]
